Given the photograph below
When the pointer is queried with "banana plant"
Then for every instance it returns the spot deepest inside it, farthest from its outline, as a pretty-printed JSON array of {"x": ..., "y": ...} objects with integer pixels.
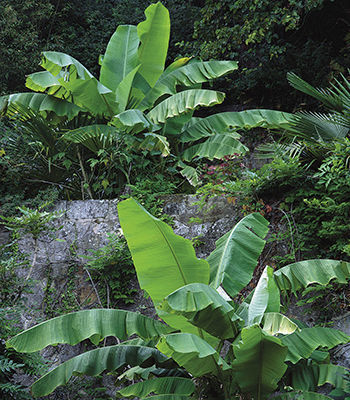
[
  {"x": 247, "y": 348},
  {"x": 137, "y": 96}
]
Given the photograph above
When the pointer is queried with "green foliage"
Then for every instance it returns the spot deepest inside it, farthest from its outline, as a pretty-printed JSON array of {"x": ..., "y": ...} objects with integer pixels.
[
  {"x": 149, "y": 191},
  {"x": 327, "y": 301},
  {"x": 194, "y": 298},
  {"x": 12, "y": 285},
  {"x": 82, "y": 30},
  {"x": 32, "y": 221},
  {"x": 149, "y": 107},
  {"x": 12, "y": 362},
  {"x": 111, "y": 268},
  {"x": 269, "y": 39}
]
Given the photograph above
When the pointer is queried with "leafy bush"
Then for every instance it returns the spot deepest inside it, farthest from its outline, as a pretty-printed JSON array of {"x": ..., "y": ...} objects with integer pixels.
[
  {"x": 269, "y": 39},
  {"x": 111, "y": 267}
]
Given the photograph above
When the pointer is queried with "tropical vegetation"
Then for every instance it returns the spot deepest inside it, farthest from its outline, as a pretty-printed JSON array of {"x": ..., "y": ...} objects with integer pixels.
[
  {"x": 134, "y": 117},
  {"x": 246, "y": 347}
]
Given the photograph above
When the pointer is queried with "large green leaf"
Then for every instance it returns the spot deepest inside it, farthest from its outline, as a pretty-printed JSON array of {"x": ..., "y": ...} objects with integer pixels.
[
  {"x": 302, "y": 344},
  {"x": 92, "y": 95},
  {"x": 132, "y": 121},
  {"x": 190, "y": 173},
  {"x": 193, "y": 353},
  {"x": 154, "y": 35},
  {"x": 233, "y": 261},
  {"x": 154, "y": 142},
  {"x": 94, "y": 137},
  {"x": 93, "y": 324},
  {"x": 120, "y": 57},
  {"x": 259, "y": 363},
  {"x": 44, "y": 81},
  {"x": 266, "y": 297},
  {"x": 164, "y": 261},
  {"x": 56, "y": 62},
  {"x": 94, "y": 362},
  {"x": 228, "y": 121},
  {"x": 308, "y": 377},
  {"x": 42, "y": 103},
  {"x": 296, "y": 276},
  {"x": 123, "y": 92},
  {"x": 85, "y": 90},
  {"x": 187, "y": 75},
  {"x": 217, "y": 146},
  {"x": 275, "y": 323},
  {"x": 166, "y": 385},
  {"x": 205, "y": 308},
  {"x": 183, "y": 102}
]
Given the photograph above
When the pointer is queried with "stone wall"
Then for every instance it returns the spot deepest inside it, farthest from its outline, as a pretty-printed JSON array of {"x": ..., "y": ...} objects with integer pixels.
[{"x": 85, "y": 225}]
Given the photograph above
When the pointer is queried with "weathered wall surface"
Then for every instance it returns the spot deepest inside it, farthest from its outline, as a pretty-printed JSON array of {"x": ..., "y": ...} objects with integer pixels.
[{"x": 85, "y": 225}]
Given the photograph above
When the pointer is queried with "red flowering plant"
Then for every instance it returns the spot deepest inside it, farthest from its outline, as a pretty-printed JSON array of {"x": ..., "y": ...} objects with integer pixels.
[
  {"x": 226, "y": 178},
  {"x": 226, "y": 169}
]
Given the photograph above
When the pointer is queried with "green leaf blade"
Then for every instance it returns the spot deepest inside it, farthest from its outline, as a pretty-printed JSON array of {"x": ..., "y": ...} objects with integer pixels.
[
  {"x": 259, "y": 363},
  {"x": 120, "y": 57},
  {"x": 183, "y": 102},
  {"x": 164, "y": 261},
  {"x": 154, "y": 34},
  {"x": 203, "y": 307},
  {"x": 302, "y": 344},
  {"x": 233, "y": 261},
  {"x": 95, "y": 324},
  {"x": 94, "y": 362},
  {"x": 164, "y": 385}
]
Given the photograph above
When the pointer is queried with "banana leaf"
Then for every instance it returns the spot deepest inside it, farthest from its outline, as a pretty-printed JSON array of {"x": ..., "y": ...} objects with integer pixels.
[
  {"x": 39, "y": 102},
  {"x": 120, "y": 57},
  {"x": 183, "y": 102},
  {"x": 154, "y": 142},
  {"x": 203, "y": 307},
  {"x": 233, "y": 261},
  {"x": 216, "y": 146},
  {"x": 296, "y": 276},
  {"x": 88, "y": 324},
  {"x": 309, "y": 377},
  {"x": 259, "y": 363},
  {"x": 166, "y": 385},
  {"x": 186, "y": 75},
  {"x": 302, "y": 344},
  {"x": 44, "y": 81},
  {"x": 228, "y": 121},
  {"x": 164, "y": 261},
  {"x": 94, "y": 362},
  {"x": 266, "y": 297},
  {"x": 275, "y": 323},
  {"x": 190, "y": 173},
  {"x": 88, "y": 93},
  {"x": 154, "y": 35},
  {"x": 132, "y": 121},
  {"x": 124, "y": 89},
  {"x": 194, "y": 354}
]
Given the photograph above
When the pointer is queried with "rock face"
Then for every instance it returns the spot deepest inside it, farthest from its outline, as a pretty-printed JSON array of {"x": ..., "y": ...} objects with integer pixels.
[{"x": 85, "y": 225}]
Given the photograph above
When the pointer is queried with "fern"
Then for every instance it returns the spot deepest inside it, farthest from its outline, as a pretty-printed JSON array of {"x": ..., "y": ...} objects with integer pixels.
[{"x": 7, "y": 365}]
